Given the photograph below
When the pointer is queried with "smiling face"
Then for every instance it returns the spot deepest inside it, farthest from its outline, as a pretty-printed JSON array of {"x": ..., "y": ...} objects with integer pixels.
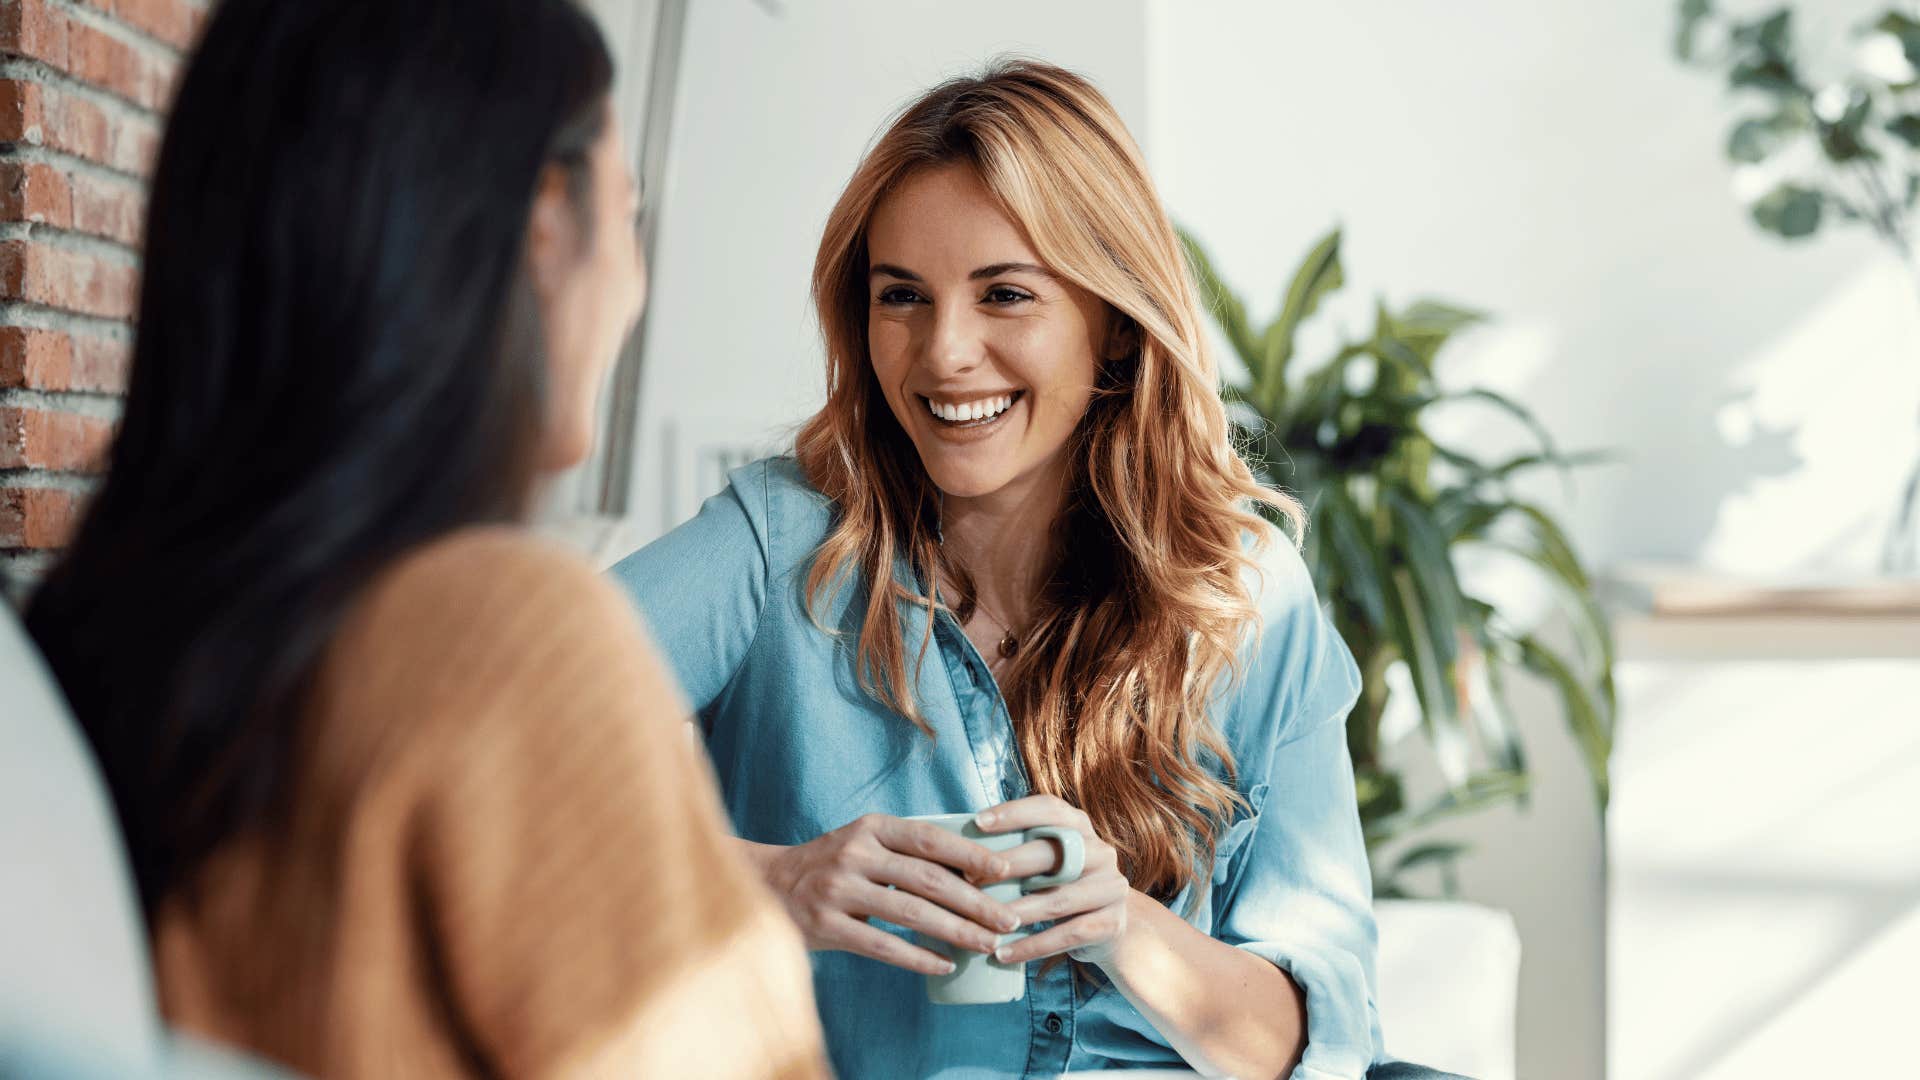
[{"x": 986, "y": 358}]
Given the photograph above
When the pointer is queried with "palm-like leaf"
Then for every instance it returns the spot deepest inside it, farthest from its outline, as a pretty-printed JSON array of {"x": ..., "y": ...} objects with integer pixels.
[{"x": 1389, "y": 507}]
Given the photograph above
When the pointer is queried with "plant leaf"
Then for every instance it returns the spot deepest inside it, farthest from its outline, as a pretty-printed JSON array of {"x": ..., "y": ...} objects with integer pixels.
[
  {"x": 1432, "y": 852},
  {"x": 1755, "y": 139},
  {"x": 1426, "y": 325},
  {"x": 1494, "y": 719},
  {"x": 1339, "y": 522},
  {"x": 1592, "y": 730},
  {"x": 1844, "y": 139},
  {"x": 1228, "y": 310},
  {"x": 1319, "y": 274},
  {"x": 1692, "y": 14},
  {"x": 1790, "y": 211},
  {"x": 1481, "y": 790},
  {"x": 1432, "y": 673},
  {"x": 1541, "y": 435}
]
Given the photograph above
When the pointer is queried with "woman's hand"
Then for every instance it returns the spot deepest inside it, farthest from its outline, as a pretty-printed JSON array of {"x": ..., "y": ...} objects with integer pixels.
[
  {"x": 833, "y": 884},
  {"x": 1091, "y": 913}
]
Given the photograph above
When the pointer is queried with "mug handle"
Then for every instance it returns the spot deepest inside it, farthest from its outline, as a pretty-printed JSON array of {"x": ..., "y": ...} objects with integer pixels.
[{"x": 1073, "y": 856}]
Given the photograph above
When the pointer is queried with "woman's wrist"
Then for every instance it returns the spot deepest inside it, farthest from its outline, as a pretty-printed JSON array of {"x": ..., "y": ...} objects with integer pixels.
[
  {"x": 765, "y": 859},
  {"x": 1122, "y": 951}
]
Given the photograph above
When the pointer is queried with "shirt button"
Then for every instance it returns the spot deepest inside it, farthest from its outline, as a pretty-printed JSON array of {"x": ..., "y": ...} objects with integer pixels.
[{"x": 1053, "y": 1024}]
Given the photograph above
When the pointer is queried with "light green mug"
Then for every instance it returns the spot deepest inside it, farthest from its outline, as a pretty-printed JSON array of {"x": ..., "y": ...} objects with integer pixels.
[{"x": 979, "y": 979}]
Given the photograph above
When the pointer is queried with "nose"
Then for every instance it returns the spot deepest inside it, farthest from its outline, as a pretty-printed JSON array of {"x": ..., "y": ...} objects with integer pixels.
[{"x": 953, "y": 345}]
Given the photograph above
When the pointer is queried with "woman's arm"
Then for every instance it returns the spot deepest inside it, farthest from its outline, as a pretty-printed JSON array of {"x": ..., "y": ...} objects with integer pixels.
[{"x": 1225, "y": 1010}]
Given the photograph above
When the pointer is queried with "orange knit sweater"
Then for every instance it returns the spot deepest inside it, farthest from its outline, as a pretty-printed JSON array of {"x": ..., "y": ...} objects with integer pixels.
[{"x": 504, "y": 858}]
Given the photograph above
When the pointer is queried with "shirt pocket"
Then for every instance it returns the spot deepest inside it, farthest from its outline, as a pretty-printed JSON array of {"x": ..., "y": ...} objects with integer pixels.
[{"x": 1246, "y": 820}]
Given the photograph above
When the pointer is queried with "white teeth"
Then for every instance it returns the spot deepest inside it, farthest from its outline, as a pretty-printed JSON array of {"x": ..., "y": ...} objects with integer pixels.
[{"x": 972, "y": 410}]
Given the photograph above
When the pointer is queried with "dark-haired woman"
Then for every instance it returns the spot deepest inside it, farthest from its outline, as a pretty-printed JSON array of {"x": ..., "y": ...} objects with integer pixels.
[{"x": 405, "y": 790}]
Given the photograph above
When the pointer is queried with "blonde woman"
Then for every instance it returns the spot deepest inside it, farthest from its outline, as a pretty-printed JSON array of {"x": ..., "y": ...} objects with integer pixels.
[{"x": 1014, "y": 568}]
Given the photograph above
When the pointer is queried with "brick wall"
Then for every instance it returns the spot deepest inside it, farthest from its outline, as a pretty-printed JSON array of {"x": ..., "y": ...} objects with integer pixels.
[{"x": 83, "y": 86}]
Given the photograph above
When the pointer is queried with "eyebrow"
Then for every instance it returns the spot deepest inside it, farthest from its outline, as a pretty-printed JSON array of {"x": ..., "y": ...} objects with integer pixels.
[{"x": 993, "y": 271}]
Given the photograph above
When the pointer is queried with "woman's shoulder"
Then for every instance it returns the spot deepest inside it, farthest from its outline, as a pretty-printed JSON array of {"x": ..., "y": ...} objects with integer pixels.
[
  {"x": 795, "y": 512},
  {"x": 1275, "y": 576},
  {"x": 768, "y": 508},
  {"x": 488, "y": 568},
  {"x": 476, "y": 609}
]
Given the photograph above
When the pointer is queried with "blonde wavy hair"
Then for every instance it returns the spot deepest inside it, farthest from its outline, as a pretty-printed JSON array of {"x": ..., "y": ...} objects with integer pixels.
[{"x": 1110, "y": 689}]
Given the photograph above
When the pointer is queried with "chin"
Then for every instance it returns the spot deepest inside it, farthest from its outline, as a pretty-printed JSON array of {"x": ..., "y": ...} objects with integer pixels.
[
  {"x": 966, "y": 480},
  {"x": 561, "y": 453}
]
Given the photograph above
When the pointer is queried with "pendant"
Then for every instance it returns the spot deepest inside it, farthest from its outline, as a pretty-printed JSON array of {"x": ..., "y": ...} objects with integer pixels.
[{"x": 1008, "y": 645}]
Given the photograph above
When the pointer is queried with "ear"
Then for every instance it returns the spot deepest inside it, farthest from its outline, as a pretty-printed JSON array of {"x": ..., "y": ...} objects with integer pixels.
[
  {"x": 1123, "y": 335},
  {"x": 553, "y": 229}
]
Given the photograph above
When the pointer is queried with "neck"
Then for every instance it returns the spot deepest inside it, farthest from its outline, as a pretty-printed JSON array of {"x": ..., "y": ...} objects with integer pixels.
[{"x": 1004, "y": 539}]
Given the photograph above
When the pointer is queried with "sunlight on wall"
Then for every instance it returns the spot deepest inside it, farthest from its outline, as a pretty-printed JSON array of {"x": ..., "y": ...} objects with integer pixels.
[
  {"x": 1829, "y": 414},
  {"x": 1775, "y": 928}
]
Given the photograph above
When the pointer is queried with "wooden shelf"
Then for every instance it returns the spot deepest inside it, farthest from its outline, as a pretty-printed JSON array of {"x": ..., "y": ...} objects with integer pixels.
[{"x": 1681, "y": 592}]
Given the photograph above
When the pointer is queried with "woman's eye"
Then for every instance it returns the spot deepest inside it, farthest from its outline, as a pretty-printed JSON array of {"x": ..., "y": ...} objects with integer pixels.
[
  {"x": 899, "y": 294},
  {"x": 1001, "y": 294}
]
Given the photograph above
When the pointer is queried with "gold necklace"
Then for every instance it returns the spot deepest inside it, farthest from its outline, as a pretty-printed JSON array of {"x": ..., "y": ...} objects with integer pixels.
[{"x": 1008, "y": 643}]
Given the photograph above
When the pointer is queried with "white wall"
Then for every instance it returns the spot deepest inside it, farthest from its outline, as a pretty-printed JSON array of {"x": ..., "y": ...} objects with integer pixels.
[
  {"x": 774, "y": 112},
  {"x": 1551, "y": 163}
]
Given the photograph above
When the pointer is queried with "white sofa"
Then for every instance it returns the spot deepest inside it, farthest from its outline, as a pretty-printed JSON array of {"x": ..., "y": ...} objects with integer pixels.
[
  {"x": 76, "y": 989},
  {"x": 1449, "y": 979}
]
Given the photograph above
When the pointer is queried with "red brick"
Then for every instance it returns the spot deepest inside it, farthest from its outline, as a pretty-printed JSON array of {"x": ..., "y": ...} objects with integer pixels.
[
  {"x": 32, "y": 29},
  {"x": 110, "y": 64},
  {"x": 38, "y": 518},
  {"x": 50, "y": 439},
  {"x": 36, "y": 359},
  {"x": 112, "y": 209},
  {"x": 22, "y": 116},
  {"x": 175, "y": 22},
  {"x": 44, "y": 116},
  {"x": 100, "y": 364},
  {"x": 69, "y": 280},
  {"x": 35, "y": 193}
]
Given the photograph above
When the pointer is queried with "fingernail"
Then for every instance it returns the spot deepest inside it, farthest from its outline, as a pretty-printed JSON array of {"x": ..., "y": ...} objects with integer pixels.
[
  {"x": 999, "y": 868},
  {"x": 946, "y": 967},
  {"x": 1000, "y": 954},
  {"x": 1009, "y": 924},
  {"x": 985, "y": 818},
  {"x": 985, "y": 945}
]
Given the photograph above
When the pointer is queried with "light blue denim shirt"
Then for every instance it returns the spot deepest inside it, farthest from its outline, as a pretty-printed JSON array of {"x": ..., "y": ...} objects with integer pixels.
[{"x": 800, "y": 750}]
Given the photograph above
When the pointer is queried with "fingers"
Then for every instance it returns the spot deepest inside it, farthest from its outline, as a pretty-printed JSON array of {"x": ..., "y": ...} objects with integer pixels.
[
  {"x": 1032, "y": 858},
  {"x": 921, "y": 878},
  {"x": 924, "y": 840},
  {"x": 849, "y": 934},
  {"x": 1094, "y": 928},
  {"x": 1030, "y": 811},
  {"x": 1071, "y": 899},
  {"x": 902, "y": 908}
]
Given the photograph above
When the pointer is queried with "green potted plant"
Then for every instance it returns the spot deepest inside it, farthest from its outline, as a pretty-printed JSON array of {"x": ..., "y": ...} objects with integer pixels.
[
  {"x": 1389, "y": 508},
  {"x": 1843, "y": 148}
]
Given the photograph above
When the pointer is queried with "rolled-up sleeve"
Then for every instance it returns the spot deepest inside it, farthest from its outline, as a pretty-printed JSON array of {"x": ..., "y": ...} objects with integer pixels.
[{"x": 1299, "y": 892}]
